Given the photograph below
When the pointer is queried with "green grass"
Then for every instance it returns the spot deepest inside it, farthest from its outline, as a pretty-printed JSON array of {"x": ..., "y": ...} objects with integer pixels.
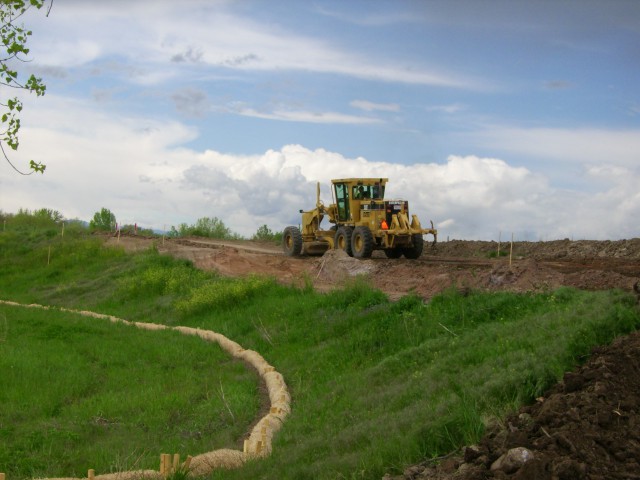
[
  {"x": 82, "y": 393},
  {"x": 376, "y": 385}
]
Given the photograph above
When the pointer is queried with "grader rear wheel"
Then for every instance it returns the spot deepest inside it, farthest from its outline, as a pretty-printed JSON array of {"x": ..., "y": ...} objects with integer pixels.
[
  {"x": 393, "y": 252},
  {"x": 415, "y": 250},
  {"x": 362, "y": 242},
  {"x": 292, "y": 241}
]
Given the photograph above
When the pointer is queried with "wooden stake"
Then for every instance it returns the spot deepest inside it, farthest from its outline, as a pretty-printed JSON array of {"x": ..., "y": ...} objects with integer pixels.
[
  {"x": 165, "y": 464},
  {"x": 91, "y": 474},
  {"x": 187, "y": 462},
  {"x": 62, "y": 234},
  {"x": 176, "y": 462},
  {"x": 2, "y": 474},
  {"x": 245, "y": 448},
  {"x": 511, "y": 250}
]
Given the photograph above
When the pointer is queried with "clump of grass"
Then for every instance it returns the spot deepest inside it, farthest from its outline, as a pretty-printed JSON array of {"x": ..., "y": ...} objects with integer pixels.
[{"x": 220, "y": 295}]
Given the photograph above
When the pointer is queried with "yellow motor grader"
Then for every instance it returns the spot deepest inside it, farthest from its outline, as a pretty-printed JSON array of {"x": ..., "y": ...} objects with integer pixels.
[{"x": 363, "y": 222}]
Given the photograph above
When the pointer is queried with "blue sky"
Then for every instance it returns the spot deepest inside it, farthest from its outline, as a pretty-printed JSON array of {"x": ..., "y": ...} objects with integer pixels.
[{"x": 489, "y": 117}]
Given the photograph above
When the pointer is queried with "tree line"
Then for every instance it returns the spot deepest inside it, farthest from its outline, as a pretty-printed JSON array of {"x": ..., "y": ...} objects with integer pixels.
[{"x": 105, "y": 220}]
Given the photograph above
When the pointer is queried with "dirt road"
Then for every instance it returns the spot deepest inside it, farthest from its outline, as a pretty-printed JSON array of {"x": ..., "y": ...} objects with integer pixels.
[{"x": 529, "y": 266}]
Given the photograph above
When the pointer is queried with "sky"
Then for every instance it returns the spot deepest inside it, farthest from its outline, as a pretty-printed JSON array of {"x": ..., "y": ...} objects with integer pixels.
[{"x": 491, "y": 118}]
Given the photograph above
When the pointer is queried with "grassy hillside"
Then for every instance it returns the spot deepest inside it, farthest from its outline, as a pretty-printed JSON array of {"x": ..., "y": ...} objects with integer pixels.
[{"x": 375, "y": 385}]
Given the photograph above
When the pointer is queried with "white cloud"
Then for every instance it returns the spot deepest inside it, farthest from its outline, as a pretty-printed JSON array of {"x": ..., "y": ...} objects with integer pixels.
[
  {"x": 140, "y": 169},
  {"x": 305, "y": 116},
  {"x": 452, "y": 108},
  {"x": 208, "y": 35},
  {"x": 368, "y": 106}
]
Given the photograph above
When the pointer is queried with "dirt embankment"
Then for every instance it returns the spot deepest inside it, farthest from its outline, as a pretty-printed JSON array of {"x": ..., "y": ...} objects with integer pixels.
[{"x": 530, "y": 266}]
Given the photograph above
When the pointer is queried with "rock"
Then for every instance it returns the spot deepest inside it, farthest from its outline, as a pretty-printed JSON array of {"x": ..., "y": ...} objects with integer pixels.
[
  {"x": 512, "y": 460},
  {"x": 471, "y": 453}
]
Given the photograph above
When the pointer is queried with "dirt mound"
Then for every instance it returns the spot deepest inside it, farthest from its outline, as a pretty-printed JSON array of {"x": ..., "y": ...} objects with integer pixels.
[
  {"x": 586, "y": 427},
  {"x": 555, "y": 249},
  {"x": 336, "y": 265}
]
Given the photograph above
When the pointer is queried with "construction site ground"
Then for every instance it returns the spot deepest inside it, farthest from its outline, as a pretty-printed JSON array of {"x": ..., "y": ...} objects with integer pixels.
[{"x": 586, "y": 427}]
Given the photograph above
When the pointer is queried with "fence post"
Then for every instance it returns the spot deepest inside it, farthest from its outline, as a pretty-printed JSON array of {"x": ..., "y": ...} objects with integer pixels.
[
  {"x": 1, "y": 476},
  {"x": 511, "y": 251}
]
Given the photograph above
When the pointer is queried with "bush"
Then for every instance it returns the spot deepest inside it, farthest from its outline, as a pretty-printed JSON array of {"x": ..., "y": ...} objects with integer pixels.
[
  {"x": 103, "y": 220},
  {"x": 265, "y": 234}
]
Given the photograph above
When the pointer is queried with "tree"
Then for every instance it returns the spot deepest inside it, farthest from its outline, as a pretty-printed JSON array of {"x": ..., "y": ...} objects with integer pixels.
[
  {"x": 48, "y": 213},
  {"x": 13, "y": 41},
  {"x": 264, "y": 233},
  {"x": 205, "y": 227},
  {"x": 103, "y": 220}
]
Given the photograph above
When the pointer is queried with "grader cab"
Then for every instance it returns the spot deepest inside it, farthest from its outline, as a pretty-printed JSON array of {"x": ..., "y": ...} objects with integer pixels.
[{"x": 363, "y": 221}]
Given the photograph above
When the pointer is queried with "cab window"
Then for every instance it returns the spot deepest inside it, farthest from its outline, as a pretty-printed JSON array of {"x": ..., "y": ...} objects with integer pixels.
[{"x": 342, "y": 201}]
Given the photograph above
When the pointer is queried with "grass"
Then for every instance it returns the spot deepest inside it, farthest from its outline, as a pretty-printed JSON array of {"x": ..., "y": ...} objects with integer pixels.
[
  {"x": 376, "y": 385},
  {"x": 82, "y": 393}
]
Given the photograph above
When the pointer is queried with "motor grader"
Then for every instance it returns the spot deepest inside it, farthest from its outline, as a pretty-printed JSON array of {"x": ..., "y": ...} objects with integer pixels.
[{"x": 363, "y": 221}]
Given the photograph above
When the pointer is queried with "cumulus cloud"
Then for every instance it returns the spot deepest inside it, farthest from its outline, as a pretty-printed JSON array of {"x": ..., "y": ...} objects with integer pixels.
[{"x": 141, "y": 170}]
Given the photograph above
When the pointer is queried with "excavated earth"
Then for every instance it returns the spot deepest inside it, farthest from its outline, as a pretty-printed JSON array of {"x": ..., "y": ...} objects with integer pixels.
[{"x": 586, "y": 427}]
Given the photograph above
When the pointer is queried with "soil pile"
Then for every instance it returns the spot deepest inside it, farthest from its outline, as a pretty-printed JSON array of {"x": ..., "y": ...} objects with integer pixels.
[
  {"x": 586, "y": 427},
  {"x": 555, "y": 249}
]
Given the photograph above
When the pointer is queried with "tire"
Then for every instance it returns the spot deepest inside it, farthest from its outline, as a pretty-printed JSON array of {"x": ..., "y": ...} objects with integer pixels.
[
  {"x": 342, "y": 240},
  {"x": 415, "y": 250},
  {"x": 362, "y": 242},
  {"x": 292, "y": 242},
  {"x": 393, "y": 252}
]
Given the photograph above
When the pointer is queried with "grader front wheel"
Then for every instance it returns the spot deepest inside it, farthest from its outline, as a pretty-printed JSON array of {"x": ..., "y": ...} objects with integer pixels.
[{"x": 343, "y": 240}]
